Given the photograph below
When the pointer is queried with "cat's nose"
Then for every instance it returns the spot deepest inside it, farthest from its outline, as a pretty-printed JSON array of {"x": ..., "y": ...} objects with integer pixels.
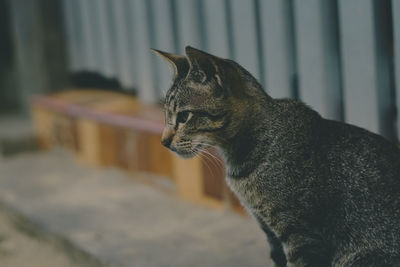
[
  {"x": 167, "y": 136},
  {"x": 166, "y": 141}
]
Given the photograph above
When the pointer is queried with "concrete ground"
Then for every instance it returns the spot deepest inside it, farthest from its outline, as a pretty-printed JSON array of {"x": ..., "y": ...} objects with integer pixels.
[
  {"x": 16, "y": 134},
  {"x": 121, "y": 222},
  {"x": 22, "y": 244}
]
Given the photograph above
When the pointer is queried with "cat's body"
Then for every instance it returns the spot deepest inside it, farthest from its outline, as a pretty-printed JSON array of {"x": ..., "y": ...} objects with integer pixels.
[
  {"x": 334, "y": 191},
  {"x": 326, "y": 193}
]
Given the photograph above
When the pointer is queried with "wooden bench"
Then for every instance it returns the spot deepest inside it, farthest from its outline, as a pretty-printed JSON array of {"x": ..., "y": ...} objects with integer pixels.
[{"x": 112, "y": 129}]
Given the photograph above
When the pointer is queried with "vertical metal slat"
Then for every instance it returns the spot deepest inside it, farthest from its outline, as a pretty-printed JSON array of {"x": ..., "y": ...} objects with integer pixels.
[
  {"x": 189, "y": 24},
  {"x": 88, "y": 35},
  {"x": 278, "y": 54},
  {"x": 164, "y": 40},
  {"x": 146, "y": 92},
  {"x": 396, "y": 45},
  {"x": 216, "y": 28},
  {"x": 244, "y": 35},
  {"x": 72, "y": 47},
  {"x": 318, "y": 58},
  {"x": 121, "y": 48},
  {"x": 359, "y": 61}
]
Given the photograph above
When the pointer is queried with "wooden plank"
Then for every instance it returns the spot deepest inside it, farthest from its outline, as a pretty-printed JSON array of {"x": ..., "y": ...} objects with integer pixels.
[
  {"x": 97, "y": 143},
  {"x": 244, "y": 35},
  {"x": 189, "y": 177},
  {"x": 128, "y": 150},
  {"x": 149, "y": 119},
  {"x": 74, "y": 135},
  {"x": 160, "y": 157},
  {"x": 42, "y": 122},
  {"x": 89, "y": 142},
  {"x": 213, "y": 175},
  {"x": 278, "y": 47},
  {"x": 141, "y": 151},
  {"x": 396, "y": 44},
  {"x": 358, "y": 62},
  {"x": 108, "y": 145},
  {"x": 318, "y": 56},
  {"x": 63, "y": 131},
  {"x": 144, "y": 154}
]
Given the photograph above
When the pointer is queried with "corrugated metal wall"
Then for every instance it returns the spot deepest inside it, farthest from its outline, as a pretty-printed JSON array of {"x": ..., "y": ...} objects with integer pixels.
[{"x": 342, "y": 57}]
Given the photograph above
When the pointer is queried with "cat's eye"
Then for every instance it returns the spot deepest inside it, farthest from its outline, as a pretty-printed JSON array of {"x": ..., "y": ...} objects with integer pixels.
[{"x": 183, "y": 116}]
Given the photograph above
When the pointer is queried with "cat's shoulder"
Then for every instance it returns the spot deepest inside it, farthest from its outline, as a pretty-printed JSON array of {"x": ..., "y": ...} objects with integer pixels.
[
  {"x": 293, "y": 106},
  {"x": 295, "y": 112},
  {"x": 350, "y": 136}
]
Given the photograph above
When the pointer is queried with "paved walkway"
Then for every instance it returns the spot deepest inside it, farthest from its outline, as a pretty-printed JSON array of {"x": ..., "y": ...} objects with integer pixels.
[
  {"x": 122, "y": 222},
  {"x": 23, "y": 244},
  {"x": 16, "y": 135}
]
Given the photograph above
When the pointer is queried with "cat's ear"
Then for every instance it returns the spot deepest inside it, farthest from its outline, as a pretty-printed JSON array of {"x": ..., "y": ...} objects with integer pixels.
[
  {"x": 203, "y": 64},
  {"x": 178, "y": 62}
]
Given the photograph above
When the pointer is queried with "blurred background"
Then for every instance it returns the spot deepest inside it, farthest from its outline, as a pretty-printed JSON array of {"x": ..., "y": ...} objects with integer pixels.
[
  {"x": 336, "y": 55},
  {"x": 79, "y": 75}
]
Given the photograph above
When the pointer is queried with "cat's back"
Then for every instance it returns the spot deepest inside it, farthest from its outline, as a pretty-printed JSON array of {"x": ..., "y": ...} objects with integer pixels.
[
  {"x": 359, "y": 153},
  {"x": 364, "y": 185},
  {"x": 362, "y": 175}
]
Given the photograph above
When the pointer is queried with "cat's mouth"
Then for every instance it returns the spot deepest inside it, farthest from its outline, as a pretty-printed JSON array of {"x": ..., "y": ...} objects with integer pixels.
[
  {"x": 185, "y": 154},
  {"x": 187, "y": 151}
]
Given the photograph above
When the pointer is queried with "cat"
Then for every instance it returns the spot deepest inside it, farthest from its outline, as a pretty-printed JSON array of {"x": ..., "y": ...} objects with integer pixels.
[{"x": 325, "y": 193}]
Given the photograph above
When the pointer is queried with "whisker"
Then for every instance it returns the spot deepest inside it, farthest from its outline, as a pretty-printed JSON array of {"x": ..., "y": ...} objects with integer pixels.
[
  {"x": 204, "y": 159},
  {"x": 215, "y": 158},
  {"x": 205, "y": 151},
  {"x": 211, "y": 161},
  {"x": 206, "y": 156}
]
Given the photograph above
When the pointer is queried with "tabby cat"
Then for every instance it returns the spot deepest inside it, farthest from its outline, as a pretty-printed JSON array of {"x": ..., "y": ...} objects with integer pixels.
[{"x": 325, "y": 193}]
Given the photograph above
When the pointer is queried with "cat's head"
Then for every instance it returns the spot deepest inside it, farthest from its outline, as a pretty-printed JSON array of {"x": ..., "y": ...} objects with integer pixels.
[{"x": 203, "y": 106}]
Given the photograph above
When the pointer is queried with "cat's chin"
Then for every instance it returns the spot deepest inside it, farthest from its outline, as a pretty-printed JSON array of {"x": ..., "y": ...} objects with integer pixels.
[{"x": 185, "y": 155}]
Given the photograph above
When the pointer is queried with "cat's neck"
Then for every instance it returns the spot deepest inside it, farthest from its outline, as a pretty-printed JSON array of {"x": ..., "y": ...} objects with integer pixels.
[{"x": 243, "y": 152}]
